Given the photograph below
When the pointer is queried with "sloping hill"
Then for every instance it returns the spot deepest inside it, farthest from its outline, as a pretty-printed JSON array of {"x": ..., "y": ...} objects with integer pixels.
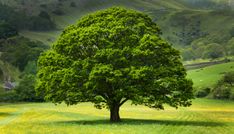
[
  {"x": 208, "y": 76},
  {"x": 183, "y": 22}
]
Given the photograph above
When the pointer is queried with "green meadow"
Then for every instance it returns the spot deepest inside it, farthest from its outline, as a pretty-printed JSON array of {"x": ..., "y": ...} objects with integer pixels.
[
  {"x": 208, "y": 76},
  {"x": 203, "y": 117}
]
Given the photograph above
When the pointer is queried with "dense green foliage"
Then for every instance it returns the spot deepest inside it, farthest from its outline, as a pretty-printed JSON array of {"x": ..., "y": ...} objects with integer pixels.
[
  {"x": 22, "y": 53},
  {"x": 20, "y": 20},
  {"x": 110, "y": 57},
  {"x": 42, "y": 22},
  {"x": 8, "y": 96},
  {"x": 25, "y": 91},
  {"x": 205, "y": 51},
  {"x": 6, "y": 30},
  {"x": 18, "y": 51},
  {"x": 13, "y": 18},
  {"x": 225, "y": 87},
  {"x": 203, "y": 92},
  {"x": 25, "y": 87}
]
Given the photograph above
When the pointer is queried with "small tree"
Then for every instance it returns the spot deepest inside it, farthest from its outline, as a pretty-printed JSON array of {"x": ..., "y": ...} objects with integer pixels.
[{"x": 110, "y": 57}]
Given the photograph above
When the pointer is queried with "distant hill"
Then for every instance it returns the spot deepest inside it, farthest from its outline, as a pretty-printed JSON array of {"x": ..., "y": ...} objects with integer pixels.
[{"x": 199, "y": 28}]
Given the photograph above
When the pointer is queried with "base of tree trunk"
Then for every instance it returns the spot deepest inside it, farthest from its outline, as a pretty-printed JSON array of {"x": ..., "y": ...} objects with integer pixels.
[{"x": 114, "y": 114}]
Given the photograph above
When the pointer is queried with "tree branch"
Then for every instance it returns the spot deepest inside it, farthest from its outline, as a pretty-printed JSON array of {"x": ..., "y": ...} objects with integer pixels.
[{"x": 121, "y": 103}]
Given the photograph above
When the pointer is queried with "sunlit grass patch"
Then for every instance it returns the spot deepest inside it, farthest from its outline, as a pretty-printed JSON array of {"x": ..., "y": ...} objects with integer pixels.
[{"x": 208, "y": 76}]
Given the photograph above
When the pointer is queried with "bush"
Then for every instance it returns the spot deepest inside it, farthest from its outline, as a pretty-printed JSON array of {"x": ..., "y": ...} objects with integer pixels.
[
  {"x": 25, "y": 91},
  {"x": 222, "y": 92},
  {"x": 8, "y": 96},
  {"x": 202, "y": 92},
  {"x": 224, "y": 88},
  {"x": 229, "y": 78}
]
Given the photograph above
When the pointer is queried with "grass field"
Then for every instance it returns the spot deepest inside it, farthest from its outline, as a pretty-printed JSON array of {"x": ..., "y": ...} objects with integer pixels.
[
  {"x": 208, "y": 76},
  {"x": 203, "y": 117}
]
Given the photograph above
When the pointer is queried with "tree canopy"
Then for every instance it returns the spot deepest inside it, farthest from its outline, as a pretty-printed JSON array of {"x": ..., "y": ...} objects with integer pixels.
[{"x": 110, "y": 57}]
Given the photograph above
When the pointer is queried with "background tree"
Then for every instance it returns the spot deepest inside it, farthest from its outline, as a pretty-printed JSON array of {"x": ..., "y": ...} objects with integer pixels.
[
  {"x": 18, "y": 51},
  {"x": 25, "y": 91},
  {"x": 110, "y": 57},
  {"x": 213, "y": 51}
]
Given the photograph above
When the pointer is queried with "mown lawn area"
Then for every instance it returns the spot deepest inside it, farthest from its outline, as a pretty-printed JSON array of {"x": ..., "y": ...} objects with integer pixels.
[{"x": 203, "y": 117}]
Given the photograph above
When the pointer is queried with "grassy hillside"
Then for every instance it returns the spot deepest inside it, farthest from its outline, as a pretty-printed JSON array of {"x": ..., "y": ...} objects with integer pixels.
[
  {"x": 178, "y": 19},
  {"x": 203, "y": 117},
  {"x": 208, "y": 76}
]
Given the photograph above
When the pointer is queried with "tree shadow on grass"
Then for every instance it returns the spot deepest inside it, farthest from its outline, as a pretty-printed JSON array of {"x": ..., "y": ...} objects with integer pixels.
[
  {"x": 127, "y": 121},
  {"x": 4, "y": 114}
]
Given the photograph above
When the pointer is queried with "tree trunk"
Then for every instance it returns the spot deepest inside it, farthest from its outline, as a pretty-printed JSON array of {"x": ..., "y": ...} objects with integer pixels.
[{"x": 114, "y": 113}]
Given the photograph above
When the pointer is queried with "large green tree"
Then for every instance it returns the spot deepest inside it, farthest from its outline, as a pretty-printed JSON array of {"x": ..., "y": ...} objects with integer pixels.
[{"x": 110, "y": 57}]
